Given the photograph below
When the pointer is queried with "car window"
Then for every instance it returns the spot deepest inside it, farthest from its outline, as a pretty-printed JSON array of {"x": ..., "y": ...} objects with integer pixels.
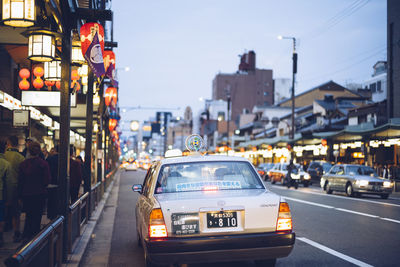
[
  {"x": 147, "y": 180},
  {"x": 340, "y": 171},
  {"x": 202, "y": 176},
  {"x": 334, "y": 170}
]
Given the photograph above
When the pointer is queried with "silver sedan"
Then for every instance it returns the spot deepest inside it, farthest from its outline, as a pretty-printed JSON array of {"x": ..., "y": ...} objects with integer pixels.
[{"x": 355, "y": 180}]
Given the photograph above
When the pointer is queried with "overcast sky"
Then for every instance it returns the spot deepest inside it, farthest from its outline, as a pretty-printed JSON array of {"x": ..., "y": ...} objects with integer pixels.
[{"x": 175, "y": 48}]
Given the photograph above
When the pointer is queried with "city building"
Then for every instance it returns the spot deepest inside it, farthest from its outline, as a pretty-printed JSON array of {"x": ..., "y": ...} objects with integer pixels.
[
  {"x": 377, "y": 84},
  {"x": 246, "y": 88}
]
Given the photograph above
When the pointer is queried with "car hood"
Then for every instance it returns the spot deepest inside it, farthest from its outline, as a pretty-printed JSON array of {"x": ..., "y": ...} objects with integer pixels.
[{"x": 370, "y": 178}]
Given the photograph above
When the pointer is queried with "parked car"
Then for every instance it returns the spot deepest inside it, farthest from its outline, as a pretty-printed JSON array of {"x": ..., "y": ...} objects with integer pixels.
[
  {"x": 280, "y": 171},
  {"x": 198, "y": 209},
  {"x": 318, "y": 168},
  {"x": 263, "y": 169},
  {"x": 355, "y": 180}
]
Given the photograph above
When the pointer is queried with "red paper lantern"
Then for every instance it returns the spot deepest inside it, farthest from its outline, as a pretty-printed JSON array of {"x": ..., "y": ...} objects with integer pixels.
[
  {"x": 109, "y": 58},
  {"x": 38, "y": 83},
  {"x": 110, "y": 96},
  {"x": 38, "y": 71},
  {"x": 88, "y": 30},
  {"x": 24, "y": 73},
  {"x": 58, "y": 85},
  {"x": 49, "y": 84},
  {"x": 24, "y": 84},
  {"x": 112, "y": 123},
  {"x": 324, "y": 142}
]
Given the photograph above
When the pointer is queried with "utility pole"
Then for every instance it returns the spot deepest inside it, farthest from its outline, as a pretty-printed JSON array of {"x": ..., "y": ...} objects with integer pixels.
[
  {"x": 228, "y": 99},
  {"x": 291, "y": 134}
]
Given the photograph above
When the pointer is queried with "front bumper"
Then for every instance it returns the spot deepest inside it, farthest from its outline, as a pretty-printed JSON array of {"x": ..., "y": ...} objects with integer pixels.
[
  {"x": 220, "y": 248},
  {"x": 372, "y": 190}
]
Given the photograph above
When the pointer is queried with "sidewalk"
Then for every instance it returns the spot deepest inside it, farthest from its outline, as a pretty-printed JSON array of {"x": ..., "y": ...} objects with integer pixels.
[{"x": 9, "y": 246}]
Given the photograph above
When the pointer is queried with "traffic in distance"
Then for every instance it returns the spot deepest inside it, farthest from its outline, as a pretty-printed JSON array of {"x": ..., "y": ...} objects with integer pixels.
[{"x": 202, "y": 209}]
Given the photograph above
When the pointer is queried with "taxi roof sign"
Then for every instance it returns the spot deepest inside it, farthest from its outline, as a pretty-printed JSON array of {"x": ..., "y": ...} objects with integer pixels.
[{"x": 194, "y": 143}]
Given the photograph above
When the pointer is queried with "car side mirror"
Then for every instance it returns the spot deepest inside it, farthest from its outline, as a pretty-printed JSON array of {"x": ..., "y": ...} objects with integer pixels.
[{"x": 137, "y": 188}]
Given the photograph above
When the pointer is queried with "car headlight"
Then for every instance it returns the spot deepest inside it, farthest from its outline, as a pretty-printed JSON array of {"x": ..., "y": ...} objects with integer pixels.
[
  {"x": 387, "y": 184},
  {"x": 362, "y": 182},
  {"x": 307, "y": 176}
]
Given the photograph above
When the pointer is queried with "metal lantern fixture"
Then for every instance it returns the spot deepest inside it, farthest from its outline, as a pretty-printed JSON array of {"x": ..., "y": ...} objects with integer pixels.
[
  {"x": 76, "y": 56},
  {"x": 52, "y": 70},
  {"x": 18, "y": 13},
  {"x": 41, "y": 46}
]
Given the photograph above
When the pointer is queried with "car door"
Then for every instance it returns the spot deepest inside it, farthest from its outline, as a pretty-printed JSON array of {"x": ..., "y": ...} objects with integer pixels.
[
  {"x": 144, "y": 204},
  {"x": 340, "y": 179},
  {"x": 332, "y": 177}
]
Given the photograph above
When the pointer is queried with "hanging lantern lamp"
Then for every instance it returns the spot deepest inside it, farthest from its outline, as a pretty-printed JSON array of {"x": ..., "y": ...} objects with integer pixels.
[
  {"x": 109, "y": 95},
  {"x": 41, "y": 45},
  {"x": 38, "y": 82},
  {"x": 52, "y": 70},
  {"x": 76, "y": 56},
  {"x": 18, "y": 13}
]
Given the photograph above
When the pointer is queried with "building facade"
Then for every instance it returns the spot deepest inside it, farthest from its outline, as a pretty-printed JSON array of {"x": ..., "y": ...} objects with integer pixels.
[{"x": 247, "y": 87}]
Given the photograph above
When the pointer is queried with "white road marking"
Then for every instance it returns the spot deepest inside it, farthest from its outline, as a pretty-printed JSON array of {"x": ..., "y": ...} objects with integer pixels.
[
  {"x": 309, "y": 203},
  {"x": 390, "y": 220},
  {"x": 334, "y": 252},
  {"x": 359, "y": 213},
  {"x": 340, "y": 209},
  {"x": 341, "y": 197}
]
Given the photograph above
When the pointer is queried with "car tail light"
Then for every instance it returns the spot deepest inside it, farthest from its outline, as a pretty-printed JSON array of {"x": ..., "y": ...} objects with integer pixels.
[
  {"x": 284, "y": 222},
  {"x": 157, "y": 227}
]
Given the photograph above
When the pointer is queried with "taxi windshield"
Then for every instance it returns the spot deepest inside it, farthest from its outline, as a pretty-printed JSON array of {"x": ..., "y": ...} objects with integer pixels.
[{"x": 204, "y": 176}]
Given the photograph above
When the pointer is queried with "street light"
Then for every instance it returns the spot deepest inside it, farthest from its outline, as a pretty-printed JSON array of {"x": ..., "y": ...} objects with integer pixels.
[{"x": 280, "y": 37}]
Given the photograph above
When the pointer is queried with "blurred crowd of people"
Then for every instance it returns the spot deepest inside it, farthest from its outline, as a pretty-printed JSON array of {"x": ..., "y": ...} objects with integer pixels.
[
  {"x": 389, "y": 171},
  {"x": 29, "y": 184}
]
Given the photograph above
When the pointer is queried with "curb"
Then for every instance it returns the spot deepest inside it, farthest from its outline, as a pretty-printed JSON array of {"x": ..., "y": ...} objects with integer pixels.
[{"x": 77, "y": 254}]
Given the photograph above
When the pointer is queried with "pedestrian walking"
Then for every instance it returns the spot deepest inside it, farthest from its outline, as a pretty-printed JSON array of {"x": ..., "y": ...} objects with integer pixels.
[
  {"x": 34, "y": 176},
  {"x": 15, "y": 158},
  {"x": 28, "y": 141},
  {"x": 52, "y": 189},
  {"x": 75, "y": 176},
  {"x": 5, "y": 179}
]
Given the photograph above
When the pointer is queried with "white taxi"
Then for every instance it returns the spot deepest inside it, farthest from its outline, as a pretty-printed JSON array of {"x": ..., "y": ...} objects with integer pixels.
[{"x": 198, "y": 209}]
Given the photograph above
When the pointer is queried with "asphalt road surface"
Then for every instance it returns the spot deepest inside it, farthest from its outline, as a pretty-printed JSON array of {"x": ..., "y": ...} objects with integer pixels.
[{"x": 331, "y": 230}]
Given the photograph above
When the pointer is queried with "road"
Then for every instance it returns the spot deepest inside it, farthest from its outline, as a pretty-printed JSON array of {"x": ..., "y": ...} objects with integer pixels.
[{"x": 331, "y": 230}]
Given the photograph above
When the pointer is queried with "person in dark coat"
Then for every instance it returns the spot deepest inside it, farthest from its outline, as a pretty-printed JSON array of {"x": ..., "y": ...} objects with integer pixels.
[
  {"x": 75, "y": 176},
  {"x": 33, "y": 178},
  {"x": 52, "y": 189}
]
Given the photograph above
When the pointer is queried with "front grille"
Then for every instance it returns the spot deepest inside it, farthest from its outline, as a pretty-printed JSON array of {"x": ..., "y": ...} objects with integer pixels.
[{"x": 376, "y": 183}]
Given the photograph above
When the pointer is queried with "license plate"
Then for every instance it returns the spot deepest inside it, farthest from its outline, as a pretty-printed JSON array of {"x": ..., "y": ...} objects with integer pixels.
[
  {"x": 376, "y": 188},
  {"x": 185, "y": 223},
  {"x": 222, "y": 219}
]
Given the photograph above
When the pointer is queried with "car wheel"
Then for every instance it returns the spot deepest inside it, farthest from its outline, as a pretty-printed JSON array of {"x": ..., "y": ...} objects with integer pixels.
[
  {"x": 384, "y": 196},
  {"x": 283, "y": 180},
  {"x": 273, "y": 181},
  {"x": 328, "y": 189},
  {"x": 265, "y": 263},
  {"x": 349, "y": 190}
]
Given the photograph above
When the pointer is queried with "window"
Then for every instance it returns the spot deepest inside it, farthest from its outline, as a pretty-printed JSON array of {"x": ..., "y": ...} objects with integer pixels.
[
  {"x": 334, "y": 170},
  {"x": 265, "y": 93},
  {"x": 200, "y": 176},
  {"x": 147, "y": 181},
  {"x": 379, "y": 86},
  {"x": 372, "y": 87}
]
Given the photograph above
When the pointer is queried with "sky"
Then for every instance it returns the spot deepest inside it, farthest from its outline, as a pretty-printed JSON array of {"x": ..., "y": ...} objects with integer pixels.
[{"x": 175, "y": 48}]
